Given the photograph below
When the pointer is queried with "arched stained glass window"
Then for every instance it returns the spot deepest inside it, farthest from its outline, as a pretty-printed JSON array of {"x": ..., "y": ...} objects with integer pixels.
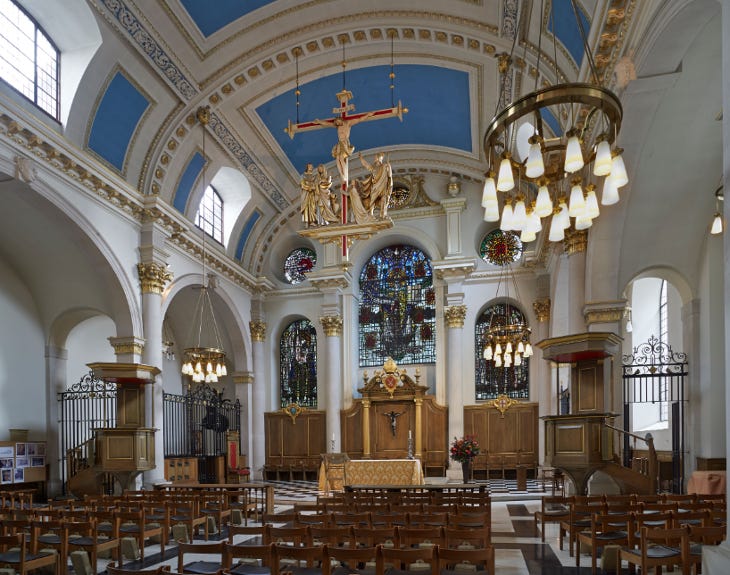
[
  {"x": 298, "y": 364},
  {"x": 298, "y": 263},
  {"x": 491, "y": 381},
  {"x": 397, "y": 308}
]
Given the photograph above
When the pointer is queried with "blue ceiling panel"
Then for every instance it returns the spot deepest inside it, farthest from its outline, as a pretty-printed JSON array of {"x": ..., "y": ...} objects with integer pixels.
[
  {"x": 187, "y": 181},
  {"x": 210, "y": 19},
  {"x": 437, "y": 99},
  {"x": 116, "y": 119},
  {"x": 566, "y": 28}
]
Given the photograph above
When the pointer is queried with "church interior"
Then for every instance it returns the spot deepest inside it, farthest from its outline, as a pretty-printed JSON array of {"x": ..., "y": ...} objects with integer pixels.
[{"x": 267, "y": 241}]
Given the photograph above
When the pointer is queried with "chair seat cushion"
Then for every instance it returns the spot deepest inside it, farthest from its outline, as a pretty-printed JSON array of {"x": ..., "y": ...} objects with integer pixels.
[
  {"x": 660, "y": 551},
  {"x": 244, "y": 569},
  {"x": 611, "y": 535},
  {"x": 202, "y": 567}
]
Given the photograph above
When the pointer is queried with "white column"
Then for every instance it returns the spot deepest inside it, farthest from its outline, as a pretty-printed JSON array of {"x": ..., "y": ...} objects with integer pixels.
[
  {"x": 455, "y": 315},
  {"x": 332, "y": 325},
  {"x": 153, "y": 278},
  {"x": 575, "y": 245},
  {"x": 242, "y": 382},
  {"x": 56, "y": 359},
  {"x": 541, "y": 372},
  {"x": 258, "y": 407}
]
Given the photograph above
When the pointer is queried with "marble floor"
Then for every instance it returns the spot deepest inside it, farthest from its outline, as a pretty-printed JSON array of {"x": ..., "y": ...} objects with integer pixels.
[{"x": 518, "y": 546}]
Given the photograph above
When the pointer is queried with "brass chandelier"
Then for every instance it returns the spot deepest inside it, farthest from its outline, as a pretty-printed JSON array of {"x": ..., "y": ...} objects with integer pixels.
[
  {"x": 506, "y": 336},
  {"x": 535, "y": 173},
  {"x": 205, "y": 361}
]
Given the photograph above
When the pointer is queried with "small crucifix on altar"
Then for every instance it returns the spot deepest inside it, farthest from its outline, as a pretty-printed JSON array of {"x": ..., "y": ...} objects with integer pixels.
[{"x": 343, "y": 120}]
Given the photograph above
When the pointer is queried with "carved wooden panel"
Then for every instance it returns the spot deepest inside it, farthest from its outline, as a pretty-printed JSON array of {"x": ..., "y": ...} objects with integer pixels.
[{"x": 295, "y": 442}]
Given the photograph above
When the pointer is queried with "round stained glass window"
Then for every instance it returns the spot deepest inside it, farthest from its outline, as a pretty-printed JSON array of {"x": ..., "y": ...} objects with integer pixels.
[
  {"x": 500, "y": 248},
  {"x": 298, "y": 263}
]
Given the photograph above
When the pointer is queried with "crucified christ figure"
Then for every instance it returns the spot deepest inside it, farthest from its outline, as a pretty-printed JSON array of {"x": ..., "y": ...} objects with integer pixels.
[
  {"x": 342, "y": 150},
  {"x": 393, "y": 416}
]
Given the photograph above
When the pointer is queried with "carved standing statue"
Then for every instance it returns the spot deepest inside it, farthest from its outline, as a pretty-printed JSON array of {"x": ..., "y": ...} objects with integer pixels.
[
  {"x": 378, "y": 186},
  {"x": 326, "y": 200},
  {"x": 308, "y": 185}
]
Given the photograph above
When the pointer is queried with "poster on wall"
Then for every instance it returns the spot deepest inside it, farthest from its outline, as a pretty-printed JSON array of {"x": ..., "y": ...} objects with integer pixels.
[
  {"x": 36, "y": 461},
  {"x": 30, "y": 448},
  {"x": 19, "y": 475},
  {"x": 20, "y": 449},
  {"x": 6, "y": 475},
  {"x": 22, "y": 462},
  {"x": 7, "y": 452},
  {"x": 6, "y": 462}
]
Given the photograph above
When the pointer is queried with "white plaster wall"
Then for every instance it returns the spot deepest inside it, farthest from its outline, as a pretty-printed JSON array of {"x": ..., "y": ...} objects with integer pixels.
[
  {"x": 87, "y": 343},
  {"x": 22, "y": 370}
]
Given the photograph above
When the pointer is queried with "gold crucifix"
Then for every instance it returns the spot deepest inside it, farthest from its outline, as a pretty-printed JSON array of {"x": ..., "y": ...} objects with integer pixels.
[{"x": 343, "y": 121}]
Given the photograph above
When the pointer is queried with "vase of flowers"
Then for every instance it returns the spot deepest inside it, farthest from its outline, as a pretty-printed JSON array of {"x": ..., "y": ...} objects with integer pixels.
[{"x": 464, "y": 450}]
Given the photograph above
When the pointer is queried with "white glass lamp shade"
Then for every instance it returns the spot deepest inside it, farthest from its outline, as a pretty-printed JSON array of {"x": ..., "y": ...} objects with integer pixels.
[
  {"x": 610, "y": 191},
  {"x": 505, "y": 180},
  {"x": 507, "y": 360},
  {"x": 506, "y": 224},
  {"x": 491, "y": 212},
  {"x": 519, "y": 214},
  {"x": 544, "y": 204},
  {"x": 527, "y": 236},
  {"x": 557, "y": 231},
  {"x": 577, "y": 205},
  {"x": 520, "y": 347},
  {"x": 508, "y": 348},
  {"x": 592, "y": 209},
  {"x": 602, "y": 163},
  {"x": 498, "y": 361},
  {"x": 618, "y": 169},
  {"x": 716, "y": 225},
  {"x": 489, "y": 192},
  {"x": 573, "y": 154},
  {"x": 488, "y": 352},
  {"x": 583, "y": 222},
  {"x": 518, "y": 360},
  {"x": 564, "y": 217},
  {"x": 533, "y": 223},
  {"x": 534, "y": 167},
  {"x": 528, "y": 350},
  {"x": 498, "y": 350}
]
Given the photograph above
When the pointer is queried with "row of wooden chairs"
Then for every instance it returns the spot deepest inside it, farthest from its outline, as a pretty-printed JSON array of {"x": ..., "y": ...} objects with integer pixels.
[
  {"x": 431, "y": 497},
  {"x": 469, "y": 517},
  {"x": 328, "y": 560}
]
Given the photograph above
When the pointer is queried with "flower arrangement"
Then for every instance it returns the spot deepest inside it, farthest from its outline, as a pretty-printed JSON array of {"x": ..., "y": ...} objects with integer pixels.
[{"x": 464, "y": 449}]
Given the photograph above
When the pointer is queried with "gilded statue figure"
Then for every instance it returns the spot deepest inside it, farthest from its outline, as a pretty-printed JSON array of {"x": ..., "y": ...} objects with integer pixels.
[
  {"x": 377, "y": 188},
  {"x": 326, "y": 199},
  {"x": 308, "y": 185},
  {"x": 343, "y": 149}
]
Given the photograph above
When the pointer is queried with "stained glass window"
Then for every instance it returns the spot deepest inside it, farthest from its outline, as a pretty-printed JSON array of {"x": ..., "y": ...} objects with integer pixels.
[
  {"x": 298, "y": 263},
  {"x": 298, "y": 364},
  {"x": 28, "y": 58},
  {"x": 397, "y": 308},
  {"x": 500, "y": 248},
  {"x": 491, "y": 381}
]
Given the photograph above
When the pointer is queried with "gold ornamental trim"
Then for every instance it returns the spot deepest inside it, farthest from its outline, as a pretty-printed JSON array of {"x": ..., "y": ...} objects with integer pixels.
[
  {"x": 605, "y": 315},
  {"x": 576, "y": 241},
  {"x": 293, "y": 410},
  {"x": 127, "y": 345},
  {"x": 541, "y": 308},
  {"x": 332, "y": 325},
  {"x": 258, "y": 330},
  {"x": 502, "y": 403},
  {"x": 455, "y": 315},
  {"x": 153, "y": 277}
]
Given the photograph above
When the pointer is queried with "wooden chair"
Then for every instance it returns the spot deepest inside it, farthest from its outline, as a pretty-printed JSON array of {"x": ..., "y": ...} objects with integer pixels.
[
  {"x": 347, "y": 561},
  {"x": 51, "y": 534},
  {"x": 460, "y": 561},
  {"x": 111, "y": 569},
  {"x": 606, "y": 529},
  {"x": 187, "y": 513},
  {"x": 254, "y": 534},
  {"x": 216, "y": 505},
  {"x": 362, "y": 519},
  {"x": 298, "y": 560},
  {"x": 660, "y": 548},
  {"x": 553, "y": 509},
  {"x": 14, "y": 552},
  {"x": 419, "y": 537},
  {"x": 388, "y": 518},
  {"x": 430, "y": 519},
  {"x": 85, "y": 536},
  {"x": 312, "y": 519},
  {"x": 294, "y": 536},
  {"x": 374, "y": 536},
  {"x": 332, "y": 536},
  {"x": 579, "y": 519},
  {"x": 204, "y": 566},
  {"x": 699, "y": 536},
  {"x": 457, "y": 538},
  {"x": 406, "y": 561},
  {"x": 135, "y": 524},
  {"x": 249, "y": 559}
]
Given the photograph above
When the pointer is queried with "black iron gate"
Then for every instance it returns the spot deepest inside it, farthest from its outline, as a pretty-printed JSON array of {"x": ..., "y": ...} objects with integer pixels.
[
  {"x": 196, "y": 425},
  {"x": 84, "y": 406},
  {"x": 654, "y": 373}
]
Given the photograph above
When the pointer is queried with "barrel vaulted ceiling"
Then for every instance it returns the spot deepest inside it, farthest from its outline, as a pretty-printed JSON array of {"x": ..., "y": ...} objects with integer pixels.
[{"x": 159, "y": 60}]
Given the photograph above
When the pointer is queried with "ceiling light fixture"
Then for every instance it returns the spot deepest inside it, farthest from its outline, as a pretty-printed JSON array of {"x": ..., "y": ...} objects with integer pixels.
[
  {"x": 553, "y": 174},
  {"x": 717, "y": 222}
]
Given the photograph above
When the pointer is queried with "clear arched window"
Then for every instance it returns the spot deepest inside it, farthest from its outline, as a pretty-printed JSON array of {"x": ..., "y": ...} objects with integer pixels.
[
  {"x": 298, "y": 364},
  {"x": 210, "y": 214},
  {"x": 490, "y": 380},
  {"x": 397, "y": 308},
  {"x": 29, "y": 61}
]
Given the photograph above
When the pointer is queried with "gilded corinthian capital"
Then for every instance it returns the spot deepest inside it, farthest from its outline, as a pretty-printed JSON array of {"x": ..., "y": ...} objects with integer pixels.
[
  {"x": 258, "y": 330},
  {"x": 153, "y": 277},
  {"x": 332, "y": 325},
  {"x": 542, "y": 309},
  {"x": 455, "y": 315}
]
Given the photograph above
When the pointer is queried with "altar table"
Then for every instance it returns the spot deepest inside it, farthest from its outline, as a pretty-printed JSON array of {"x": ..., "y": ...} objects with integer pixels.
[
  {"x": 378, "y": 472},
  {"x": 707, "y": 482}
]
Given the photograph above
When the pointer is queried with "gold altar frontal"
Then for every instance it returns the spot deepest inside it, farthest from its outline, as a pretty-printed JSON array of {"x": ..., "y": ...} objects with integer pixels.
[{"x": 377, "y": 472}]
